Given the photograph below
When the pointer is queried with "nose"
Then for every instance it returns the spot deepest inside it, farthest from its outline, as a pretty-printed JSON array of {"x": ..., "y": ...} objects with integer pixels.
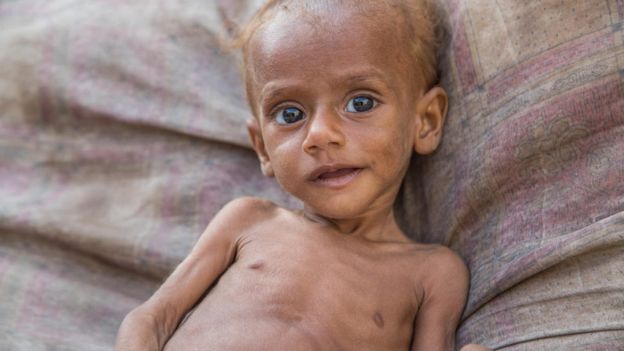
[{"x": 324, "y": 131}]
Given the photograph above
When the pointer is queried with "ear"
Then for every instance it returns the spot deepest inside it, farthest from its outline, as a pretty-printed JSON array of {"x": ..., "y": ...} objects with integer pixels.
[
  {"x": 430, "y": 116},
  {"x": 255, "y": 135}
]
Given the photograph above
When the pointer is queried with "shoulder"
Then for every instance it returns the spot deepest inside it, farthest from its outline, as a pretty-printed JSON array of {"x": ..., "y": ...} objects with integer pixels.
[
  {"x": 447, "y": 261},
  {"x": 437, "y": 258},
  {"x": 249, "y": 203},
  {"x": 235, "y": 220},
  {"x": 247, "y": 214},
  {"x": 245, "y": 211},
  {"x": 445, "y": 270},
  {"x": 237, "y": 217}
]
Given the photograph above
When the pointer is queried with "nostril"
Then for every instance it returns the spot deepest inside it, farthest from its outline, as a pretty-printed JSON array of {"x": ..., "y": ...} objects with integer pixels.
[
  {"x": 323, "y": 131},
  {"x": 309, "y": 146}
]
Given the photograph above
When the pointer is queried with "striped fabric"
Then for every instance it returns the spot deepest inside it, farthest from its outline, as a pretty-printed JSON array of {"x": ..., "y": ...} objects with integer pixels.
[
  {"x": 529, "y": 183},
  {"x": 122, "y": 133}
]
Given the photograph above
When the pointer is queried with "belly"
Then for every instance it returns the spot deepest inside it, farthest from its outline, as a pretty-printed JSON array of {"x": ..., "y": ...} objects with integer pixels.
[
  {"x": 238, "y": 333},
  {"x": 259, "y": 307},
  {"x": 243, "y": 312},
  {"x": 254, "y": 323}
]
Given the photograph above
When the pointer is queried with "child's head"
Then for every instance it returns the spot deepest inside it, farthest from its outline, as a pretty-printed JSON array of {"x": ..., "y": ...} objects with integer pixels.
[
  {"x": 341, "y": 92},
  {"x": 417, "y": 22}
]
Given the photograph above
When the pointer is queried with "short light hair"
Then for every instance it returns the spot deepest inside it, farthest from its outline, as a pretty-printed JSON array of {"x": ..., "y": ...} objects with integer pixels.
[{"x": 424, "y": 30}]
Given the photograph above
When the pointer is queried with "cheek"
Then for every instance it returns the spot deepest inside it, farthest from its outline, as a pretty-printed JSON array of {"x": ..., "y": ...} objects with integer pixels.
[
  {"x": 404, "y": 143},
  {"x": 390, "y": 146},
  {"x": 397, "y": 156},
  {"x": 284, "y": 156}
]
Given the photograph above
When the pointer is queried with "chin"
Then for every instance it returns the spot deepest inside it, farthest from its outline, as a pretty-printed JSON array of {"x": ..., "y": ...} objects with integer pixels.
[{"x": 347, "y": 203}]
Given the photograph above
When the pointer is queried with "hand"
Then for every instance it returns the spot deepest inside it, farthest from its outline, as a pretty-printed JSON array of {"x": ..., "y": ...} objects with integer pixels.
[{"x": 474, "y": 347}]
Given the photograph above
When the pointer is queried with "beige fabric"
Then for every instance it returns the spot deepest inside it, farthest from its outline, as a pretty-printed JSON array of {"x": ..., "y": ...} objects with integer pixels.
[
  {"x": 120, "y": 126},
  {"x": 121, "y": 134},
  {"x": 528, "y": 185}
]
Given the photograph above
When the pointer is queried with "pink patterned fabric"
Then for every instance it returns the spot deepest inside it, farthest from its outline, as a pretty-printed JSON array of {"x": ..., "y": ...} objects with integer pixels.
[
  {"x": 122, "y": 133},
  {"x": 528, "y": 185}
]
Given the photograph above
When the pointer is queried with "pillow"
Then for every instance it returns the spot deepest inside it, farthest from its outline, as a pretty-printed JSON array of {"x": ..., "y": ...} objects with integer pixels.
[
  {"x": 527, "y": 185},
  {"x": 121, "y": 134}
]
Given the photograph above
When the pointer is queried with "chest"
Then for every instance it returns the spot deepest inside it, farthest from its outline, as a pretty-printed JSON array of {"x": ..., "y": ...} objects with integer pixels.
[{"x": 331, "y": 281}]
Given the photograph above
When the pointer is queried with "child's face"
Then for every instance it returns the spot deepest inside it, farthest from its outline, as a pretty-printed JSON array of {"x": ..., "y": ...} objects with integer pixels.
[{"x": 337, "y": 115}]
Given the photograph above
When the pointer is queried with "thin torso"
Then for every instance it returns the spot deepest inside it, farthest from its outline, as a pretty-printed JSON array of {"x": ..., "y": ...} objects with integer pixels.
[{"x": 295, "y": 285}]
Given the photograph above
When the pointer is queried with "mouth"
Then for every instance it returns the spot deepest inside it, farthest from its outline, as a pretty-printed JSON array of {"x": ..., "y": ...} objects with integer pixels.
[{"x": 334, "y": 176}]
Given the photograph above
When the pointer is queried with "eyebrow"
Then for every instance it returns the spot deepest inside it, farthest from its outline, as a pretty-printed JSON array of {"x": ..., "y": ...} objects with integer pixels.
[
  {"x": 274, "y": 90},
  {"x": 366, "y": 75},
  {"x": 365, "y": 78}
]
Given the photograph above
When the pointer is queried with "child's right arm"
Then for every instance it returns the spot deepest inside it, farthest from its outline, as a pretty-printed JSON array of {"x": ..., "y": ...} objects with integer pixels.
[{"x": 149, "y": 326}]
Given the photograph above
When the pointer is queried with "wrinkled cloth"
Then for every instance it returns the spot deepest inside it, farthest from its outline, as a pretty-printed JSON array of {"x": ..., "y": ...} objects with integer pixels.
[
  {"x": 528, "y": 185},
  {"x": 122, "y": 132}
]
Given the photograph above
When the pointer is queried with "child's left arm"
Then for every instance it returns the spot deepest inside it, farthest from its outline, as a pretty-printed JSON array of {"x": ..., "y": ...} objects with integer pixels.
[{"x": 444, "y": 296}]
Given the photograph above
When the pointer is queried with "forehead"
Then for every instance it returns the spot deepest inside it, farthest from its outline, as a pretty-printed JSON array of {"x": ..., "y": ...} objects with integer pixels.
[{"x": 326, "y": 40}]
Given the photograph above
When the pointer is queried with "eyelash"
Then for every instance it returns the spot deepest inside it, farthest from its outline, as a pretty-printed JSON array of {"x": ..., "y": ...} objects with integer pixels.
[
  {"x": 374, "y": 103},
  {"x": 277, "y": 112}
]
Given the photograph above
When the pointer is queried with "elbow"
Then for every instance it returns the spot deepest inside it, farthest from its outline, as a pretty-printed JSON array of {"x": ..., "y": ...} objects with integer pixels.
[
  {"x": 140, "y": 315},
  {"x": 139, "y": 330}
]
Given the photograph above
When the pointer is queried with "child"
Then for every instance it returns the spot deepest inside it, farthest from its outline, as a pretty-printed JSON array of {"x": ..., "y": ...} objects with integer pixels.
[{"x": 342, "y": 92}]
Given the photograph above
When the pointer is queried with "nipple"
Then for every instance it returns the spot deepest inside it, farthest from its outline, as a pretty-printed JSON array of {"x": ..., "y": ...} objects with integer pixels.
[
  {"x": 256, "y": 265},
  {"x": 378, "y": 319}
]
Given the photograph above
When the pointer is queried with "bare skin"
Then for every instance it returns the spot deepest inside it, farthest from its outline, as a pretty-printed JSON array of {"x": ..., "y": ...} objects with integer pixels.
[
  {"x": 317, "y": 288},
  {"x": 337, "y": 121}
]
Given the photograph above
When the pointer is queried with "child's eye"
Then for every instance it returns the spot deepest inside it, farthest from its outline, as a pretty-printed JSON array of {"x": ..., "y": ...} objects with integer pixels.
[
  {"x": 360, "y": 104},
  {"x": 289, "y": 115}
]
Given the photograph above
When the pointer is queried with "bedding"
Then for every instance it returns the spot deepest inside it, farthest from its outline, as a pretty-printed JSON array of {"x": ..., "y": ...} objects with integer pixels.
[
  {"x": 122, "y": 133},
  {"x": 528, "y": 185}
]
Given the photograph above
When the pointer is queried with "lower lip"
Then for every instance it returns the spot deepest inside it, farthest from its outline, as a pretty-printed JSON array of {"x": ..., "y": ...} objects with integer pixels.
[{"x": 340, "y": 181}]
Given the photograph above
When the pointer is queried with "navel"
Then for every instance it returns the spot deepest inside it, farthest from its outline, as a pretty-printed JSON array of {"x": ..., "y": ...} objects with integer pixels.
[{"x": 378, "y": 319}]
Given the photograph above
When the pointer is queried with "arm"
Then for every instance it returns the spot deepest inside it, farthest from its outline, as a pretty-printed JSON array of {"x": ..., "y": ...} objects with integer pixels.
[
  {"x": 149, "y": 326},
  {"x": 442, "y": 303}
]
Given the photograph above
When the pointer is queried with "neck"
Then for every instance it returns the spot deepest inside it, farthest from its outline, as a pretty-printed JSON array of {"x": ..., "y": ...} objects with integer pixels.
[{"x": 376, "y": 227}]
